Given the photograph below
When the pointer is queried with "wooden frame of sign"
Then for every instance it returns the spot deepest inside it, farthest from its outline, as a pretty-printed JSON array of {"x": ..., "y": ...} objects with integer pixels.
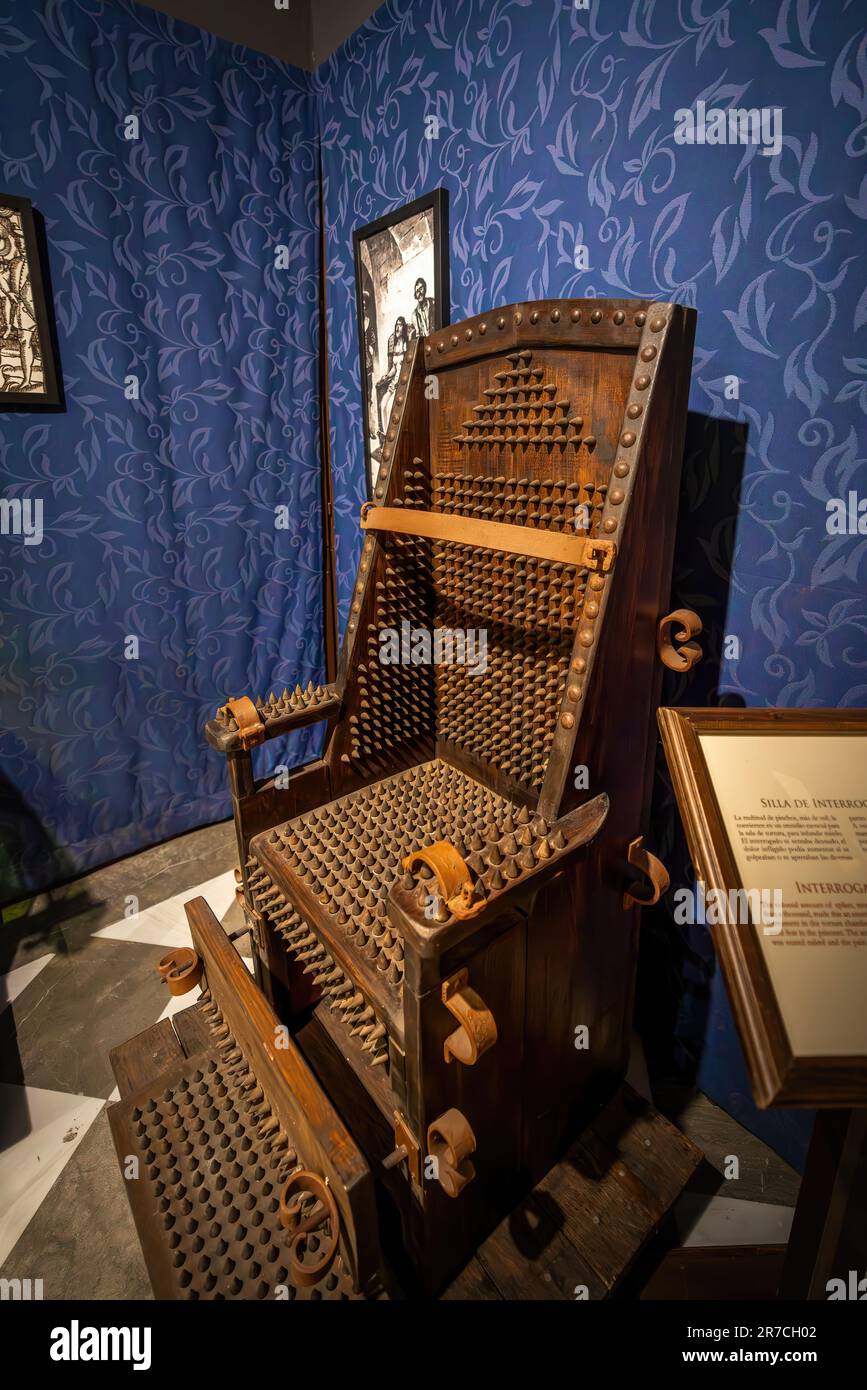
[{"x": 779, "y": 1076}]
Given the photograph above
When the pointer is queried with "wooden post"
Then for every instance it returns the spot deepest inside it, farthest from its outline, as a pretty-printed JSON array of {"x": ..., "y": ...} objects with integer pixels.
[{"x": 829, "y": 1231}]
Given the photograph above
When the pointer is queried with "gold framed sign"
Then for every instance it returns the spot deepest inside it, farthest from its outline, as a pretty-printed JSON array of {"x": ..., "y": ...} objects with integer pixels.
[{"x": 774, "y": 804}]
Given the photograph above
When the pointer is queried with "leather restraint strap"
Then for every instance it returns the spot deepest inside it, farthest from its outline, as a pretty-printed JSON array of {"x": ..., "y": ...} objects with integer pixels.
[
  {"x": 585, "y": 552},
  {"x": 251, "y": 730}
]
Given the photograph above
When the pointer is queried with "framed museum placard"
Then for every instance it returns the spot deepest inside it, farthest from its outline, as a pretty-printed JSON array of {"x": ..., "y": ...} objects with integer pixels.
[
  {"x": 28, "y": 374},
  {"x": 774, "y": 803},
  {"x": 402, "y": 292}
]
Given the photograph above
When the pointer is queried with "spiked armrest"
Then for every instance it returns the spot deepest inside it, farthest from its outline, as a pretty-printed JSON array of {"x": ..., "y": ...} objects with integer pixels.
[
  {"x": 503, "y": 873},
  {"x": 241, "y": 724}
]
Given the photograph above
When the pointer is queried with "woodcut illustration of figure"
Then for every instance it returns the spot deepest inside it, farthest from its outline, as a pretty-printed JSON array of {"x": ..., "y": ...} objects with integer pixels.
[
  {"x": 398, "y": 343},
  {"x": 423, "y": 314},
  {"x": 17, "y": 323}
]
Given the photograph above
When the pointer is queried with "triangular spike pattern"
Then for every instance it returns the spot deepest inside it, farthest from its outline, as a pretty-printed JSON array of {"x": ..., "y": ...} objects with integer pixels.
[{"x": 522, "y": 409}]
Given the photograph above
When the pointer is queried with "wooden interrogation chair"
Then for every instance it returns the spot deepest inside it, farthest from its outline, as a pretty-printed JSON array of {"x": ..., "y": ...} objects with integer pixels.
[{"x": 445, "y": 904}]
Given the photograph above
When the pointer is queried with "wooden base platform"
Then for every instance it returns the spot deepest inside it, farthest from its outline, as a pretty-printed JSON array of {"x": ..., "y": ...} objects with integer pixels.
[{"x": 577, "y": 1234}]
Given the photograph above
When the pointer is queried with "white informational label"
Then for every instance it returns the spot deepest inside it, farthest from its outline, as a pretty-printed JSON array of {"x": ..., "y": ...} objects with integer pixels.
[{"x": 794, "y": 807}]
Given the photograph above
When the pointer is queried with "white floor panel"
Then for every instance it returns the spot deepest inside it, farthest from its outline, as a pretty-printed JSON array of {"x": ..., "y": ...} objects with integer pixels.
[
  {"x": 39, "y": 1133},
  {"x": 165, "y": 924},
  {"x": 705, "y": 1220},
  {"x": 176, "y": 1002},
  {"x": 17, "y": 980}
]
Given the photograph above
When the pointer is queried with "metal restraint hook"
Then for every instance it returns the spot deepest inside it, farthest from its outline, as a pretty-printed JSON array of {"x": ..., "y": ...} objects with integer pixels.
[
  {"x": 477, "y": 1032},
  {"x": 640, "y": 858},
  {"x": 181, "y": 969},
  {"x": 454, "y": 878}
]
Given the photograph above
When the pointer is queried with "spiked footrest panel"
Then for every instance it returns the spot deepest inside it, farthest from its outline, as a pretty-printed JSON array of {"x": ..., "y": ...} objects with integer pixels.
[
  {"x": 242, "y": 1178},
  {"x": 212, "y": 1159}
]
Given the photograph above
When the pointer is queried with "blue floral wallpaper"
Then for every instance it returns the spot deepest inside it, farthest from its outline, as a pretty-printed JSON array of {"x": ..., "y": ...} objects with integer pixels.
[
  {"x": 554, "y": 129},
  {"x": 185, "y": 271}
]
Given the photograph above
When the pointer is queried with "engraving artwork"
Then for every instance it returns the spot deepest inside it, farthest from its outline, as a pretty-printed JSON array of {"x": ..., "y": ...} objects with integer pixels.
[
  {"x": 21, "y": 362},
  {"x": 402, "y": 292}
]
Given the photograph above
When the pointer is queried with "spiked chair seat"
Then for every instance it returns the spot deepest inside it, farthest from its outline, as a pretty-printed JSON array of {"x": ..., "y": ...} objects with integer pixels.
[{"x": 332, "y": 870}]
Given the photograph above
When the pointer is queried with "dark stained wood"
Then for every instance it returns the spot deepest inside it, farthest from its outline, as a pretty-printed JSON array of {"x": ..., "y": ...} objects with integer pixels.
[
  {"x": 539, "y": 1251},
  {"x": 407, "y": 447},
  {"x": 138, "y": 1060},
  {"x": 529, "y": 1258},
  {"x": 191, "y": 1029},
  {"x": 652, "y": 1147},
  {"x": 829, "y": 1230},
  {"x": 604, "y": 1209},
  {"x": 485, "y": 1092},
  {"x": 473, "y": 1284},
  {"x": 261, "y": 805},
  {"x": 583, "y": 943},
  {"x": 616, "y": 1184},
  {"x": 585, "y": 1224},
  {"x": 367, "y": 1103},
  {"x": 374, "y": 1080},
  {"x": 513, "y": 327},
  {"x": 363, "y": 1100},
  {"x": 375, "y": 985},
  {"x": 166, "y": 1169},
  {"x": 225, "y": 740},
  {"x": 742, "y": 1273}
]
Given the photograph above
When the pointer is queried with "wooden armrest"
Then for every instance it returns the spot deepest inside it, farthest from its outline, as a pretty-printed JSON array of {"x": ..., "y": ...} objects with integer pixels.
[
  {"x": 242, "y": 724},
  {"x": 497, "y": 888}
]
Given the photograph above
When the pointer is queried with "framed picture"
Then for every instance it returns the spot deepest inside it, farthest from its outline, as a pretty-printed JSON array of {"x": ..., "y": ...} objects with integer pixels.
[
  {"x": 774, "y": 804},
  {"x": 28, "y": 373},
  {"x": 402, "y": 292}
]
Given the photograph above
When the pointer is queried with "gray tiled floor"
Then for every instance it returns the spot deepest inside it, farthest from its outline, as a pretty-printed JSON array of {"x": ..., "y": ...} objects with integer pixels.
[
  {"x": 82, "y": 1242},
  {"x": 42, "y": 1042}
]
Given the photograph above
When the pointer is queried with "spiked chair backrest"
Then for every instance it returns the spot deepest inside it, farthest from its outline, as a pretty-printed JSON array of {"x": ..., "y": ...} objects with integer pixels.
[{"x": 519, "y": 444}]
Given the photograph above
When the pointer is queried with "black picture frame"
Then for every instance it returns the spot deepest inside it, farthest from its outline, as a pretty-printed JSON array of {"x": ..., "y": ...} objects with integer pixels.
[
  {"x": 50, "y": 394},
  {"x": 434, "y": 203}
]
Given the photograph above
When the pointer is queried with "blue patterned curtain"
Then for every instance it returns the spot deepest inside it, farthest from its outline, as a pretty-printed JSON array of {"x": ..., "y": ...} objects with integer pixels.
[
  {"x": 185, "y": 270},
  {"x": 554, "y": 129}
]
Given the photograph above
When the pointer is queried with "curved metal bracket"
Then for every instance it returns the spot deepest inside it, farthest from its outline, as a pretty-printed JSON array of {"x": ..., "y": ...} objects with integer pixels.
[
  {"x": 478, "y": 1030},
  {"x": 251, "y": 729},
  {"x": 321, "y": 1221},
  {"x": 450, "y": 1140},
  {"x": 181, "y": 969},
  {"x": 454, "y": 878},
  {"x": 406, "y": 1148},
  {"x": 681, "y": 658},
  {"x": 652, "y": 868}
]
